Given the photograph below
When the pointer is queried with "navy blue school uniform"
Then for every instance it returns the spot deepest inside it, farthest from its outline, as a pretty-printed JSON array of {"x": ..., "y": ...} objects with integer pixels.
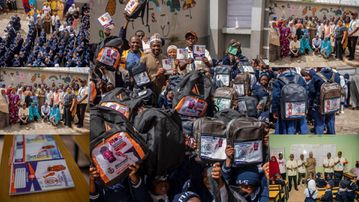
[
  {"x": 352, "y": 187},
  {"x": 341, "y": 196},
  {"x": 287, "y": 126},
  {"x": 321, "y": 183},
  {"x": 124, "y": 192},
  {"x": 246, "y": 175},
  {"x": 328, "y": 196},
  {"x": 322, "y": 121},
  {"x": 336, "y": 182}
]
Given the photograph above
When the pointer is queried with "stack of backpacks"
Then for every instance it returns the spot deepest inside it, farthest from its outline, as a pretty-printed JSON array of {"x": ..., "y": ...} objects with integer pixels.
[{"x": 124, "y": 131}]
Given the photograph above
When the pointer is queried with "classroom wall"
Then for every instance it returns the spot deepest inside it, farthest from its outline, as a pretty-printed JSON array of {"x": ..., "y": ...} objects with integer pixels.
[
  {"x": 348, "y": 144},
  {"x": 172, "y": 24},
  {"x": 15, "y": 76},
  {"x": 287, "y": 9}
]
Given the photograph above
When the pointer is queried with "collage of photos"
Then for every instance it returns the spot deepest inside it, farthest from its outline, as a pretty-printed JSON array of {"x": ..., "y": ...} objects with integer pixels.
[
  {"x": 179, "y": 100},
  {"x": 44, "y": 114}
]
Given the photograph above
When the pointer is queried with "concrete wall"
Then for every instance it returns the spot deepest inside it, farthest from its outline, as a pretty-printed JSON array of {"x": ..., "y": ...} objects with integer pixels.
[
  {"x": 171, "y": 24},
  {"x": 15, "y": 76},
  {"x": 286, "y": 9}
]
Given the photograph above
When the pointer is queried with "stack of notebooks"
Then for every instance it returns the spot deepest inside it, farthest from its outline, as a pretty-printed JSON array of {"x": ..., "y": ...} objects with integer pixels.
[{"x": 37, "y": 165}]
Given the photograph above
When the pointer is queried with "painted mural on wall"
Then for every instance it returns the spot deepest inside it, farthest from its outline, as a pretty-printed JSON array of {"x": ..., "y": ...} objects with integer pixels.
[
  {"x": 15, "y": 77},
  {"x": 166, "y": 17},
  {"x": 285, "y": 10}
]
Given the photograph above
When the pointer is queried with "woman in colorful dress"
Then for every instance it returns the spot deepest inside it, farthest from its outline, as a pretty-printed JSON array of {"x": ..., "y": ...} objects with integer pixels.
[
  {"x": 14, "y": 101},
  {"x": 284, "y": 39}
]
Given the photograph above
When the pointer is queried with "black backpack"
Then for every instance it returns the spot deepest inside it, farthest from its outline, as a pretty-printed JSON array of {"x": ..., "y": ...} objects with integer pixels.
[
  {"x": 140, "y": 75},
  {"x": 222, "y": 76},
  {"x": 115, "y": 145},
  {"x": 225, "y": 98},
  {"x": 247, "y": 105},
  {"x": 139, "y": 11},
  {"x": 227, "y": 115},
  {"x": 121, "y": 100},
  {"x": 245, "y": 135},
  {"x": 162, "y": 132},
  {"x": 192, "y": 95},
  {"x": 293, "y": 100},
  {"x": 102, "y": 58},
  {"x": 210, "y": 134}
]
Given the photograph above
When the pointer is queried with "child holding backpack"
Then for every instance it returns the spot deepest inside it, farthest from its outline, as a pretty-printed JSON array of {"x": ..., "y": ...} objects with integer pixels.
[
  {"x": 246, "y": 182},
  {"x": 131, "y": 189},
  {"x": 311, "y": 193}
]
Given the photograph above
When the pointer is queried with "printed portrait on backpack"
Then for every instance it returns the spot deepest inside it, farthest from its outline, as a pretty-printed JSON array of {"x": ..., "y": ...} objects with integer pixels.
[
  {"x": 141, "y": 78},
  {"x": 115, "y": 154}
]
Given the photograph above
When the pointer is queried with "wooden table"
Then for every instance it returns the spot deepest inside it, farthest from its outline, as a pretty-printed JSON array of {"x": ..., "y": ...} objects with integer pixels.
[
  {"x": 82, "y": 142},
  {"x": 273, "y": 195},
  {"x": 321, "y": 193},
  {"x": 80, "y": 193},
  {"x": 350, "y": 176}
]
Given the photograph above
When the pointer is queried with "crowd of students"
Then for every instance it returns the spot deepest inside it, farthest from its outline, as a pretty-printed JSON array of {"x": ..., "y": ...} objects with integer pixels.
[
  {"x": 303, "y": 171},
  {"x": 24, "y": 104},
  {"x": 50, "y": 41},
  {"x": 297, "y": 36},
  {"x": 190, "y": 180}
]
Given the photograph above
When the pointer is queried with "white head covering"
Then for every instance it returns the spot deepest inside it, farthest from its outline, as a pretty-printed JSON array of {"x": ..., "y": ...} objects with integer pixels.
[
  {"x": 312, "y": 185},
  {"x": 171, "y": 47}
]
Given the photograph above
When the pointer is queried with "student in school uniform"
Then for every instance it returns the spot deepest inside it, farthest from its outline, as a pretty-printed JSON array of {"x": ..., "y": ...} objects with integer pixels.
[
  {"x": 286, "y": 126},
  {"x": 320, "y": 181},
  {"x": 311, "y": 192},
  {"x": 342, "y": 192},
  {"x": 328, "y": 195},
  {"x": 292, "y": 166},
  {"x": 328, "y": 165},
  {"x": 322, "y": 121}
]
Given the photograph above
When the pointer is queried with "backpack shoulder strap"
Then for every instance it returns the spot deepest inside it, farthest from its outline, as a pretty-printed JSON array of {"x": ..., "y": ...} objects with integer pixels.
[
  {"x": 310, "y": 194},
  {"x": 296, "y": 78},
  {"x": 284, "y": 79},
  {"x": 322, "y": 77},
  {"x": 333, "y": 77}
]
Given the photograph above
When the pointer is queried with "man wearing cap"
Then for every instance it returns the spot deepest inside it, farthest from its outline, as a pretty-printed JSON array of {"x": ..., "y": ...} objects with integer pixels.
[
  {"x": 339, "y": 163},
  {"x": 353, "y": 35},
  {"x": 206, "y": 62},
  {"x": 292, "y": 172}
]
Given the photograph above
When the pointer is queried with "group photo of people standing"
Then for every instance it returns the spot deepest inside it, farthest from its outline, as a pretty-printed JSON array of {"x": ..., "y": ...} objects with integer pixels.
[
  {"x": 314, "y": 168},
  {"x": 41, "y": 104}
]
